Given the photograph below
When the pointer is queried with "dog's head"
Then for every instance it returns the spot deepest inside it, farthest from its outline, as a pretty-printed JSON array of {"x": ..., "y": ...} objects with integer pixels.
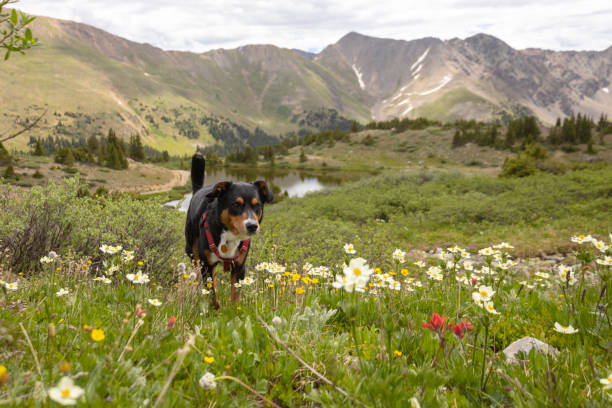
[{"x": 241, "y": 205}]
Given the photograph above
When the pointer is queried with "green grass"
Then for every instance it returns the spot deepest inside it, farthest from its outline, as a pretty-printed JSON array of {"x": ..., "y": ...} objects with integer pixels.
[
  {"x": 79, "y": 70},
  {"x": 370, "y": 345},
  {"x": 442, "y": 108}
]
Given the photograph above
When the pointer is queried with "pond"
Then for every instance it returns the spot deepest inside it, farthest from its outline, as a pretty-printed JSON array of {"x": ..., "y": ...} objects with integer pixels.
[{"x": 294, "y": 183}]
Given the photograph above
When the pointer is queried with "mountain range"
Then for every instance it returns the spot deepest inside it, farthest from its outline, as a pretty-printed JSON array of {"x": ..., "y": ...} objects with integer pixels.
[{"x": 91, "y": 80}]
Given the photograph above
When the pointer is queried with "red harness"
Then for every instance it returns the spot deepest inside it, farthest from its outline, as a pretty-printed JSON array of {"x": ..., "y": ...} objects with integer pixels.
[{"x": 227, "y": 262}]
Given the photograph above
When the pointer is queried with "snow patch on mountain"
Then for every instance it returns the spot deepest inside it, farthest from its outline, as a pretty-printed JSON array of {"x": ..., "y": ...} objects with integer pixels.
[
  {"x": 404, "y": 113},
  {"x": 359, "y": 76},
  {"x": 421, "y": 58},
  {"x": 606, "y": 90},
  {"x": 445, "y": 81},
  {"x": 405, "y": 101}
]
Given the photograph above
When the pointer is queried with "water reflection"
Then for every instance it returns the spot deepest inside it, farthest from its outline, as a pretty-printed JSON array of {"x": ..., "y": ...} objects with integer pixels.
[{"x": 292, "y": 182}]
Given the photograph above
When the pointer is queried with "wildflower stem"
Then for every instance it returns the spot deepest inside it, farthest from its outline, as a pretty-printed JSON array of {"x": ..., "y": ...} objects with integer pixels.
[
  {"x": 180, "y": 356},
  {"x": 236, "y": 380},
  {"x": 25, "y": 333},
  {"x": 139, "y": 323},
  {"x": 484, "y": 355}
]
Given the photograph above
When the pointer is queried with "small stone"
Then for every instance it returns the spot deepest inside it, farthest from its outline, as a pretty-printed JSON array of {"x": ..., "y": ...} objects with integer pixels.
[
  {"x": 525, "y": 345},
  {"x": 352, "y": 363}
]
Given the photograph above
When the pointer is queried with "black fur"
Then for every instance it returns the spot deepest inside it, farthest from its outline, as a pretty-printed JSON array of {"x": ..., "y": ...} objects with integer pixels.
[
  {"x": 198, "y": 171},
  {"x": 214, "y": 200}
]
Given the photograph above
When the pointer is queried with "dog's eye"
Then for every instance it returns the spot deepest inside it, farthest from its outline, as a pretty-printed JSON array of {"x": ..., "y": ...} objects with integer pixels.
[
  {"x": 257, "y": 208},
  {"x": 237, "y": 205}
]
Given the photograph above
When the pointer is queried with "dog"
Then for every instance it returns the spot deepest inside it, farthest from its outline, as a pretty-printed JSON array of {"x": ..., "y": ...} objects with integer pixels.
[{"x": 221, "y": 220}]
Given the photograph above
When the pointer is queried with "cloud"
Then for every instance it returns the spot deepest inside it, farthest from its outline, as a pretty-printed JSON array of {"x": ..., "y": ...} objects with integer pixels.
[{"x": 198, "y": 26}]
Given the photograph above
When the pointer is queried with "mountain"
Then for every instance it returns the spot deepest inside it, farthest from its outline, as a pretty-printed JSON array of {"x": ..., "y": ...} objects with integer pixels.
[
  {"x": 91, "y": 80},
  {"x": 480, "y": 77}
]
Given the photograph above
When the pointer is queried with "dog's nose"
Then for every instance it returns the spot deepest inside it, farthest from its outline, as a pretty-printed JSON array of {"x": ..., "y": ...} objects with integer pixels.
[{"x": 251, "y": 227}]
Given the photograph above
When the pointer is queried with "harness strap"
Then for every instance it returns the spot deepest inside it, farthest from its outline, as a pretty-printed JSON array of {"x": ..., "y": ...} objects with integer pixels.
[{"x": 227, "y": 262}]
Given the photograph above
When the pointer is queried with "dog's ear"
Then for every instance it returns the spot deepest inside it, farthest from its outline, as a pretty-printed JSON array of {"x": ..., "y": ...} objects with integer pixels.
[
  {"x": 264, "y": 191},
  {"x": 219, "y": 188}
]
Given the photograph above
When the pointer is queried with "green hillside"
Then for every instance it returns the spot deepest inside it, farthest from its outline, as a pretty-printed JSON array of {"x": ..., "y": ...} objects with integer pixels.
[{"x": 90, "y": 80}]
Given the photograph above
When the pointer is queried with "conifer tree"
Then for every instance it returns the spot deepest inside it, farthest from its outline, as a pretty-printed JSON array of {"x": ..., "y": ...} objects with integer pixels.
[
  {"x": 9, "y": 172},
  {"x": 457, "y": 139},
  {"x": 136, "y": 148},
  {"x": 38, "y": 149},
  {"x": 5, "y": 157},
  {"x": 69, "y": 159}
]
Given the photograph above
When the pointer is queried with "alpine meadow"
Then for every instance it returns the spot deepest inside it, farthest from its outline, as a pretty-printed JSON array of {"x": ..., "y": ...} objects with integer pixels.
[{"x": 437, "y": 229}]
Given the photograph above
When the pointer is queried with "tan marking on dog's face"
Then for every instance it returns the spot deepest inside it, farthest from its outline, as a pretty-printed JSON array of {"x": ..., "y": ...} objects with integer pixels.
[
  {"x": 234, "y": 223},
  {"x": 254, "y": 201},
  {"x": 240, "y": 200}
]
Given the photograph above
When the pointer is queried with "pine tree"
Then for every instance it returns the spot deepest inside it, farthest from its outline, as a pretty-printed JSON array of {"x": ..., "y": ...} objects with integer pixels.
[
  {"x": 114, "y": 152},
  {"x": 510, "y": 136},
  {"x": 590, "y": 149},
  {"x": 303, "y": 157},
  {"x": 355, "y": 127},
  {"x": 9, "y": 172},
  {"x": 69, "y": 159},
  {"x": 136, "y": 148},
  {"x": 493, "y": 135},
  {"x": 5, "y": 157},
  {"x": 38, "y": 149},
  {"x": 92, "y": 144},
  {"x": 457, "y": 139}
]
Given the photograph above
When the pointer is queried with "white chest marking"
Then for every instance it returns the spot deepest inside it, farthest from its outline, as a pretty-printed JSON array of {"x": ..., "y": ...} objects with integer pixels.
[{"x": 229, "y": 245}]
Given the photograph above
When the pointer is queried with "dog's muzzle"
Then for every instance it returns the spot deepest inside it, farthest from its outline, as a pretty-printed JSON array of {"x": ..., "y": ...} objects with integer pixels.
[{"x": 251, "y": 227}]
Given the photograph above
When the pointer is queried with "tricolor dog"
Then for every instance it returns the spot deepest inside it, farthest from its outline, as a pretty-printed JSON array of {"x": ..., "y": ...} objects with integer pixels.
[{"x": 220, "y": 223}]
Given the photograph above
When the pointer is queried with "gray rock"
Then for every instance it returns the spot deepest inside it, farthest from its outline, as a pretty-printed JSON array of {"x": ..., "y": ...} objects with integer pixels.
[{"x": 525, "y": 345}]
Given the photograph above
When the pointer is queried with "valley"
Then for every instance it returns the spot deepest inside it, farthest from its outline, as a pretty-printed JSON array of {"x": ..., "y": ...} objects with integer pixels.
[{"x": 90, "y": 81}]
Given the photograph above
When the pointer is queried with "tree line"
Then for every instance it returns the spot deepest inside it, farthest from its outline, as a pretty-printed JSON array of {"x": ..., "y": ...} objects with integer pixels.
[{"x": 108, "y": 151}]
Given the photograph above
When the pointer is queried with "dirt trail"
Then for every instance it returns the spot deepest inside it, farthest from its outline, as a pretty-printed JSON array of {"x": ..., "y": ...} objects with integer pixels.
[{"x": 179, "y": 178}]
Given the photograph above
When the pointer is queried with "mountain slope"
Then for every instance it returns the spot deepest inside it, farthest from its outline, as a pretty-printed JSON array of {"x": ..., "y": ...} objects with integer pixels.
[
  {"x": 91, "y": 80},
  {"x": 480, "y": 77},
  {"x": 177, "y": 100}
]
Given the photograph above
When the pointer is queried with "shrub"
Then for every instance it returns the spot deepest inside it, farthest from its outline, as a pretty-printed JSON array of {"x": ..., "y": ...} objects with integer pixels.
[
  {"x": 62, "y": 218},
  {"x": 519, "y": 166}
]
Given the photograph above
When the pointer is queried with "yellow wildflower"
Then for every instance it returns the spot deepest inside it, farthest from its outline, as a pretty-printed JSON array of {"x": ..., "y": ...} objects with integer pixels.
[{"x": 97, "y": 335}]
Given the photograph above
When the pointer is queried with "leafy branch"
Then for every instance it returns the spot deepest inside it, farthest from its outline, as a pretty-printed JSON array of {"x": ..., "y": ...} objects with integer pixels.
[{"x": 15, "y": 36}]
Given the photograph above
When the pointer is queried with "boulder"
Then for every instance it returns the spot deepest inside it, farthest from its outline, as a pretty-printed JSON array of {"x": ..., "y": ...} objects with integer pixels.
[{"x": 525, "y": 345}]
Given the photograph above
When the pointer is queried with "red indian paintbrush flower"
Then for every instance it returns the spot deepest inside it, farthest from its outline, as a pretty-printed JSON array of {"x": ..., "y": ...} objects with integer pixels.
[
  {"x": 171, "y": 322},
  {"x": 436, "y": 323},
  {"x": 461, "y": 328},
  {"x": 140, "y": 312}
]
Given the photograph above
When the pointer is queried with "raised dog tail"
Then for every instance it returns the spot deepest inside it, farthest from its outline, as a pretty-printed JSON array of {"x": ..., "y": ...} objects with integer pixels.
[{"x": 198, "y": 171}]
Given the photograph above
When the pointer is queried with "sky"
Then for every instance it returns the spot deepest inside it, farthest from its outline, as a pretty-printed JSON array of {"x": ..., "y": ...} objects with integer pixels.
[{"x": 310, "y": 25}]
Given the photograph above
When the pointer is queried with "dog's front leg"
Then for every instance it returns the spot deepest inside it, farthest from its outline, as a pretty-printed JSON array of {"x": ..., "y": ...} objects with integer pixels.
[
  {"x": 238, "y": 271},
  {"x": 234, "y": 291},
  {"x": 210, "y": 272}
]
